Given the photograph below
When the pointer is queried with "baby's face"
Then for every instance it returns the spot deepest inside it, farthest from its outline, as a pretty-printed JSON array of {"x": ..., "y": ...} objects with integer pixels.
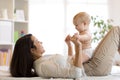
[{"x": 80, "y": 27}]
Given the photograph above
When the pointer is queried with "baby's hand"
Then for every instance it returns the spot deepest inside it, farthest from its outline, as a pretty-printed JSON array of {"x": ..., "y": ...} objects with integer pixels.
[
  {"x": 75, "y": 40},
  {"x": 76, "y": 35}
]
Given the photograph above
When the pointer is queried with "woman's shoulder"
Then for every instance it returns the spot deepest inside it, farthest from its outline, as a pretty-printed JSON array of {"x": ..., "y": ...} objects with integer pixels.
[
  {"x": 41, "y": 59},
  {"x": 48, "y": 57}
]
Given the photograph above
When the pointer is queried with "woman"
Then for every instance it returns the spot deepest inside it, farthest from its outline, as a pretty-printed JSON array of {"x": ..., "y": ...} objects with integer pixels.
[
  {"x": 27, "y": 60},
  {"x": 25, "y": 53}
]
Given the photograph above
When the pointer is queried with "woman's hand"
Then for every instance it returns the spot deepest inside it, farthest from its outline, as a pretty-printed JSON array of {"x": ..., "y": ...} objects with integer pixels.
[
  {"x": 68, "y": 40},
  {"x": 75, "y": 40}
]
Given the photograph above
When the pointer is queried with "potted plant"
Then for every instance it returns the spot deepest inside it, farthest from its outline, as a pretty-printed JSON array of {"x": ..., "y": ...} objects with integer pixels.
[{"x": 101, "y": 27}]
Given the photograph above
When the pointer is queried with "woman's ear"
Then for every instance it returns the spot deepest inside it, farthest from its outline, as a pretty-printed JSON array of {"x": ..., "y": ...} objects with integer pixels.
[{"x": 32, "y": 50}]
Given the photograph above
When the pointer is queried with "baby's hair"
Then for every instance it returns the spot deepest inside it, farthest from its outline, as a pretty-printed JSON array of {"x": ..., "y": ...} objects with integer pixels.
[{"x": 81, "y": 17}]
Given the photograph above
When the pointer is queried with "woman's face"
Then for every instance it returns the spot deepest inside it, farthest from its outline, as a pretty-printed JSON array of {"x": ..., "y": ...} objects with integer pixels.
[{"x": 39, "y": 50}]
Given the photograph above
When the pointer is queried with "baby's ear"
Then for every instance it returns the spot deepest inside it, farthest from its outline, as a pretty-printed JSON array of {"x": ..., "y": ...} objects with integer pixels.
[{"x": 85, "y": 23}]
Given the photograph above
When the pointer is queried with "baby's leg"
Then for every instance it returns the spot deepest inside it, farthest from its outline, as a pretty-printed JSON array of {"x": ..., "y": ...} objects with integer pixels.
[{"x": 101, "y": 62}]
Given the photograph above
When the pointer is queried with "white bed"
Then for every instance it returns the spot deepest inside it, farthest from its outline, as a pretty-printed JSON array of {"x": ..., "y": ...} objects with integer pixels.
[
  {"x": 110, "y": 77},
  {"x": 115, "y": 75}
]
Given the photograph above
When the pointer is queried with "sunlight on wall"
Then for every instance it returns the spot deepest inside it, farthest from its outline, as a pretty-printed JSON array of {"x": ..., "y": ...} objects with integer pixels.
[
  {"x": 47, "y": 24},
  {"x": 51, "y": 20}
]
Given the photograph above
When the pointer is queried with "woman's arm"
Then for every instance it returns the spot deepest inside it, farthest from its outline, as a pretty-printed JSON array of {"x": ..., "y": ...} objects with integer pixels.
[
  {"x": 82, "y": 38},
  {"x": 78, "y": 52},
  {"x": 85, "y": 57},
  {"x": 68, "y": 42}
]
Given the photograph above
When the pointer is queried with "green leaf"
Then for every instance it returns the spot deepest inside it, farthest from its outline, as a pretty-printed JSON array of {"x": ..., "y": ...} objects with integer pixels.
[{"x": 102, "y": 27}]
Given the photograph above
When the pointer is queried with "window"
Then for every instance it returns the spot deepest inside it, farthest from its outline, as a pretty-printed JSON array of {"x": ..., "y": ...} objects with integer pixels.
[
  {"x": 51, "y": 20},
  {"x": 47, "y": 24}
]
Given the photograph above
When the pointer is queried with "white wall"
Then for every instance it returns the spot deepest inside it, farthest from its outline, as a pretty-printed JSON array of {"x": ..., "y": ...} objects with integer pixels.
[
  {"x": 47, "y": 24},
  {"x": 114, "y": 11},
  {"x": 51, "y": 20}
]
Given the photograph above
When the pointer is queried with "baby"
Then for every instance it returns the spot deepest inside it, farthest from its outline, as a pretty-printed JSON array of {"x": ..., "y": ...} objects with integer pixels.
[{"x": 81, "y": 22}]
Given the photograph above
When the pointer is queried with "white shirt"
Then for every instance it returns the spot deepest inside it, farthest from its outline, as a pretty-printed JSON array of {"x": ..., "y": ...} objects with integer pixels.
[{"x": 56, "y": 66}]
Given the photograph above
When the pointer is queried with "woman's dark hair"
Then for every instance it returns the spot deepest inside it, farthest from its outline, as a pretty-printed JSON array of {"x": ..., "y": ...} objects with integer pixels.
[{"x": 22, "y": 59}]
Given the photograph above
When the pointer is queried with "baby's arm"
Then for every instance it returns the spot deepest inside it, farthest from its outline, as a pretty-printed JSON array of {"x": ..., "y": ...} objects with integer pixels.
[
  {"x": 68, "y": 42},
  {"x": 83, "y": 37}
]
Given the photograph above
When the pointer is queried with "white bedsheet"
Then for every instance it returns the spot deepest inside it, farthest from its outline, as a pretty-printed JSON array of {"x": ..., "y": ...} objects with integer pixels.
[
  {"x": 110, "y": 77},
  {"x": 115, "y": 75}
]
